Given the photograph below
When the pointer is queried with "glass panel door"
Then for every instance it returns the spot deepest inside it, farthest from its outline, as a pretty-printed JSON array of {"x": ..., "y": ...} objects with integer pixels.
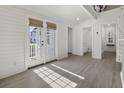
[
  {"x": 50, "y": 46},
  {"x": 36, "y": 45}
]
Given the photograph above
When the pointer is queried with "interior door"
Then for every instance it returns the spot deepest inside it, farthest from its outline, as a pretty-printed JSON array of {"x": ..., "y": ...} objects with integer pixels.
[
  {"x": 36, "y": 46},
  {"x": 50, "y": 45}
]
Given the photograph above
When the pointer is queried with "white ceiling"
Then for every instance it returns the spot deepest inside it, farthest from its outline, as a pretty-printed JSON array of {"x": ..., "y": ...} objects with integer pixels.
[{"x": 64, "y": 13}]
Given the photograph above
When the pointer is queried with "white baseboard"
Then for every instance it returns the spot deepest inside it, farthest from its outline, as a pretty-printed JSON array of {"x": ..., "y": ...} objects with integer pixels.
[
  {"x": 118, "y": 61},
  {"x": 62, "y": 57},
  {"x": 77, "y": 54},
  {"x": 122, "y": 79},
  {"x": 11, "y": 74}
]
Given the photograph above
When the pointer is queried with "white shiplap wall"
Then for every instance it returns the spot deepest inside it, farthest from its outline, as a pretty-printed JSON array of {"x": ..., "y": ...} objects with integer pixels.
[
  {"x": 14, "y": 46},
  {"x": 12, "y": 41},
  {"x": 62, "y": 41}
]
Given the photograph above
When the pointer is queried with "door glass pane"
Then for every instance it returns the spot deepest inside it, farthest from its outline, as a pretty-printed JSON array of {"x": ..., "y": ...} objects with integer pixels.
[
  {"x": 35, "y": 38},
  {"x": 50, "y": 48}
]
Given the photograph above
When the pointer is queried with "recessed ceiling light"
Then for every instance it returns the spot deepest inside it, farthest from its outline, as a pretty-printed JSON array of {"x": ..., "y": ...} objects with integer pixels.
[{"x": 77, "y": 19}]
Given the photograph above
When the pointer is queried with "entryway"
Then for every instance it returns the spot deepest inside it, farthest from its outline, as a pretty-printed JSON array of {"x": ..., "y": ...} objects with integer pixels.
[
  {"x": 87, "y": 40},
  {"x": 109, "y": 39},
  {"x": 42, "y": 42}
]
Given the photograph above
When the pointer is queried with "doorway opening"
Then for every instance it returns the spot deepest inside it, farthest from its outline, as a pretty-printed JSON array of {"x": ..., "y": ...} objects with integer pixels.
[
  {"x": 108, "y": 41},
  {"x": 87, "y": 41},
  {"x": 69, "y": 40}
]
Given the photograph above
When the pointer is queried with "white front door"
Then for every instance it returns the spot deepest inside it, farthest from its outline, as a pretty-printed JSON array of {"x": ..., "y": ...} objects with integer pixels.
[
  {"x": 36, "y": 46},
  {"x": 50, "y": 45}
]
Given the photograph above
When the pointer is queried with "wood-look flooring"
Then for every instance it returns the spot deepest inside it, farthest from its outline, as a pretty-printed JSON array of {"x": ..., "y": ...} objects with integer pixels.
[{"x": 103, "y": 73}]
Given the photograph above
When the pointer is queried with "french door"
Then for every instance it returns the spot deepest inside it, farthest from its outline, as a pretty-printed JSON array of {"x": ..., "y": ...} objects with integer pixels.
[
  {"x": 42, "y": 42},
  {"x": 36, "y": 46},
  {"x": 50, "y": 45}
]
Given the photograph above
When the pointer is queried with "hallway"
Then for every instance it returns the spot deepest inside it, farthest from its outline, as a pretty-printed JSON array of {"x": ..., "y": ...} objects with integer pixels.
[{"x": 103, "y": 73}]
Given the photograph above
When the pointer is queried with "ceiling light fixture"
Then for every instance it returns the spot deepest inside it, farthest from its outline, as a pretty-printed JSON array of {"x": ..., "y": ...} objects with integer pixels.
[
  {"x": 77, "y": 19},
  {"x": 99, "y": 8}
]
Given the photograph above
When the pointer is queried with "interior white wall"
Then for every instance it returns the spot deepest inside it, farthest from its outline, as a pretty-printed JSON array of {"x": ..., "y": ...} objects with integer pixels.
[
  {"x": 109, "y": 17},
  {"x": 14, "y": 39},
  {"x": 120, "y": 51},
  {"x": 123, "y": 74},
  {"x": 78, "y": 38},
  {"x": 96, "y": 41},
  {"x": 62, "y": 40}
]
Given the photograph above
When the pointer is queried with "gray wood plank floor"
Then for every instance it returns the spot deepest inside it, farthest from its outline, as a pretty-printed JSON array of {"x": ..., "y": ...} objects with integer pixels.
[{"x": 103, "y": 73}]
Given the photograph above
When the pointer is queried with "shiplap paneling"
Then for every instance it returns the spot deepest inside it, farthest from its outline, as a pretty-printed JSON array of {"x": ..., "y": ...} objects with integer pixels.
[
  {"x": 12, "y": 41},
  {"x": 14, "y": 51}
]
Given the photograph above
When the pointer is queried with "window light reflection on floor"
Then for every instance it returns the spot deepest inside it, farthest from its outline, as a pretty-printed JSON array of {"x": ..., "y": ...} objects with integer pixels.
[{"x": 54, "y": 79}]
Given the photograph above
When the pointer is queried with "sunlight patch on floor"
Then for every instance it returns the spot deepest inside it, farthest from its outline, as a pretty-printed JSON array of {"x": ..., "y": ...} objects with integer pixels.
[
  {"x": 65, "y": 70},
  {"x": 54, "y": 79}
]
